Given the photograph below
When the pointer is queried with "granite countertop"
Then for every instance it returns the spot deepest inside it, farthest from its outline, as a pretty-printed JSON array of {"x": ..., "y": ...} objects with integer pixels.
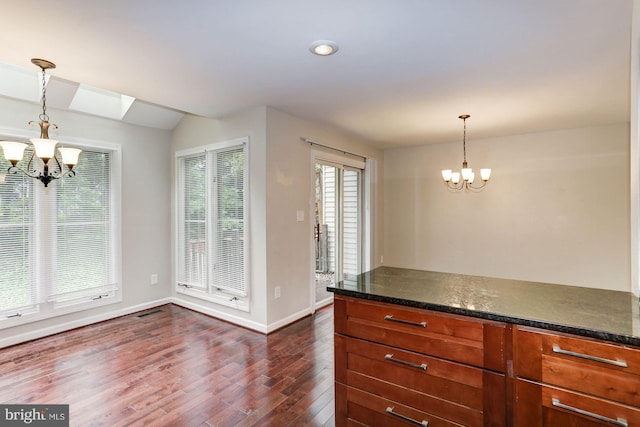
[{"x": 597, "y": 313}]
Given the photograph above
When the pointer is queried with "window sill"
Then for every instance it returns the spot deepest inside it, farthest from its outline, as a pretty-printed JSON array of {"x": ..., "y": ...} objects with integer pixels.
[{"x": 220, "y": 298}]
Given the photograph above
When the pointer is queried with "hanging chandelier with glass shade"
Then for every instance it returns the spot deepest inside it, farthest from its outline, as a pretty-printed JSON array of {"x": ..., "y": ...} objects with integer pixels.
[
  {"x": 453, "y": 180},
  {"x": 43, "y": 151}
]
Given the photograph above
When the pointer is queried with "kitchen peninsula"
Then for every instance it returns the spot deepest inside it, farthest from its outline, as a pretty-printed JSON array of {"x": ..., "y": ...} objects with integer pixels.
[{"x": 417, "y": 347}]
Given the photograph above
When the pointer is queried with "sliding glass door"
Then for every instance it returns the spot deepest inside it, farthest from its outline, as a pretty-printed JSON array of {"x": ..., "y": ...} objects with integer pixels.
[{"x": 338, "y": 226}]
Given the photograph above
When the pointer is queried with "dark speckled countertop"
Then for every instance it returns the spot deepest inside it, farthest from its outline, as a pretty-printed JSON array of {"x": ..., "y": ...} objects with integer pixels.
[{"x": 597, "y": 313}]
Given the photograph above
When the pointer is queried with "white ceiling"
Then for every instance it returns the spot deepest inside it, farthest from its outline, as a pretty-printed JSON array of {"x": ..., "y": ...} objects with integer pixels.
[{"x": 404, "y": 72}]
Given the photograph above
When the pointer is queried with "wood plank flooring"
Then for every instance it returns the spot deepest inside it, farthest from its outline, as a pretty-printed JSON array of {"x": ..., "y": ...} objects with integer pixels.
[{"x": 177, "y": 367}]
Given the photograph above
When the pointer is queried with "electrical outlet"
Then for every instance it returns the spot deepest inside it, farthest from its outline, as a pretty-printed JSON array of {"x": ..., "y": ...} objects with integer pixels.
[
  {"x": 277, "y": 292},
  {"x": 381, "y": 259},
  {"x": 154, "y": 279}
]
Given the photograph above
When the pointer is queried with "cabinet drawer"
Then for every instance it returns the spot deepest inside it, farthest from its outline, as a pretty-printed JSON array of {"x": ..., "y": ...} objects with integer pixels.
[
  {"x": 437, "y": 334},
  {"x": 602, "y": 369},
  {"x": 363, "y": 408},
  {"x": 542, "y": 405}
]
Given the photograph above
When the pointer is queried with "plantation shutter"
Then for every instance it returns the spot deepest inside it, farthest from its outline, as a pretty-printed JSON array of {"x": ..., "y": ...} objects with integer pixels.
[
  {"x": 17, "y": 254},
  {"x": 82, "y": 253},
  {"x": 192, "y": 266},
  {"x": 229, "y": 227}
]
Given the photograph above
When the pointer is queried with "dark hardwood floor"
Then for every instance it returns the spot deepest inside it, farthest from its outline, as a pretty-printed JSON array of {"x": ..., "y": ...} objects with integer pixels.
[{"x": 178, "y": 368}]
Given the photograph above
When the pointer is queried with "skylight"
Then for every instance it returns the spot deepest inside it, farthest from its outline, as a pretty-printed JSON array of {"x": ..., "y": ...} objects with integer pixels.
[{"x": 92, "y": 100}]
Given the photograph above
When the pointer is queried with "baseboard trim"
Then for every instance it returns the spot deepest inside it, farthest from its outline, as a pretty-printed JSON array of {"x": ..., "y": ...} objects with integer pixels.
[
  {"x": 324, "y": 303},
  {"x": 236, "y": 320},
  {"x": 240, "y": 321},
  {"x": 56, "y": 329},
  {"x": 272, "y": 327}
]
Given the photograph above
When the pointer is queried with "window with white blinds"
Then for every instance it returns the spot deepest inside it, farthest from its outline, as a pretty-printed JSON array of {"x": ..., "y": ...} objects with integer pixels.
[
  {"x": 212, "y": 209},
  {"x": 193, "y": 233},
  {"x": 85, "y": 253},
  {"x": 18, "y": 291},
  {"x": 58, "y": 244}
]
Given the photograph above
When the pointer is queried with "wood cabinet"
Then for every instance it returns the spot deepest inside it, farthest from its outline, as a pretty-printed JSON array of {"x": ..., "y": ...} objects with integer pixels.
[
  {"x": 402, "y": 366},
  {"x": 565, "y": 380}
]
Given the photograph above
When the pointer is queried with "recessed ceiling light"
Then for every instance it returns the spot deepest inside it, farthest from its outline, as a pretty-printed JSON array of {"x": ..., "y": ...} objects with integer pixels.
[{"x": 323, "y": 47}]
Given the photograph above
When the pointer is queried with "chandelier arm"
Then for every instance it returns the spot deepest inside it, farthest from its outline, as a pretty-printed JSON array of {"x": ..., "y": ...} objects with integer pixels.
[
  {"x": 479, "y": 187},
  {"x": 33, "y": 154},
  {"x": 60, "y": 167},
  {"x": 454, "y": 187},
  {"x": 15, "y": 169},
  {"x": 464, "y": 185},
  {"x": 44, "y": 176},
  {"x": 47, "y": 177}
]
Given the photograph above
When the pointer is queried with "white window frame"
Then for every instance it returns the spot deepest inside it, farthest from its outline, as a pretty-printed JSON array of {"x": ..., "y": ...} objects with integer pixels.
[
  {"x": 48, "y": 308},
  {"x": 211, "y": 294}
]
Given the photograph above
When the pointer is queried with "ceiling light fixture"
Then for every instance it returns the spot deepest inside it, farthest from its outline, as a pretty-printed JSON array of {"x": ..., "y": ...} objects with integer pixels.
[
  {"x": 323, "y": 47},
  {"x": 44, "y": 149},
  {"x": 452, "y": 179}
]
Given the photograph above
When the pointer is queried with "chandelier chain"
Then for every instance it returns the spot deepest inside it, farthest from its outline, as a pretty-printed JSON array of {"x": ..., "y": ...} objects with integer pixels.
[
  {"x": 44, "y": 116},
  {"x": 464, "y": 141}
]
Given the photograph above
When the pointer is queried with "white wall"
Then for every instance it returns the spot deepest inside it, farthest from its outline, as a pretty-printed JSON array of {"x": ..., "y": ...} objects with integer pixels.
[
  {"x": 145, "y": 210},
  {"x": 556, "y": 209},
  {"x": 289, "y": 242}
]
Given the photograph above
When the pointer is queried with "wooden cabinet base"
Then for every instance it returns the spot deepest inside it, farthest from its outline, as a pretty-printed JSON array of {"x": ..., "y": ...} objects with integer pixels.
[
  {"x": 397, "y": 365},
  {"x": 400, "y": 366}
]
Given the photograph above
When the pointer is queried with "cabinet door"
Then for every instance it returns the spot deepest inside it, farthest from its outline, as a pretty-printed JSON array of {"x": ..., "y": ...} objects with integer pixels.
[{"x": 538, "y": 405}]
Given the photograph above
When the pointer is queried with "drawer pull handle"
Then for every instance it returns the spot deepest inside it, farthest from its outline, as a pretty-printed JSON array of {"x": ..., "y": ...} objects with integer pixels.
[
  {"x": 403, "y": 362},
  {"x": 621, "y": 363},
  {"x": 411, "y": 420},
  {"x": 390, "y": 318},
  {"x": 619, "y": 422}
]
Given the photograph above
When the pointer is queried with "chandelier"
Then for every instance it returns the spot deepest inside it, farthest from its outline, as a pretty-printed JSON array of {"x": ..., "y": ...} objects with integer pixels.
[
  {"x": 43, "y": 149},
  {"x": 452, "y": 179}
]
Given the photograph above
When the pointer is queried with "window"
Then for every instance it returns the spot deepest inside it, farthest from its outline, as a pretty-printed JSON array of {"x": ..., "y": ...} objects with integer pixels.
[
  {"x": 58, "y": 244},
  {"x": 211, "y": 223}
]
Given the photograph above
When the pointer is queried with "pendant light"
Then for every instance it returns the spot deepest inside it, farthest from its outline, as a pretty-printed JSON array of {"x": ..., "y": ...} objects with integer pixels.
[
  {"x": 452, "y": 179},
  {"x": 43, "y": 148}
]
